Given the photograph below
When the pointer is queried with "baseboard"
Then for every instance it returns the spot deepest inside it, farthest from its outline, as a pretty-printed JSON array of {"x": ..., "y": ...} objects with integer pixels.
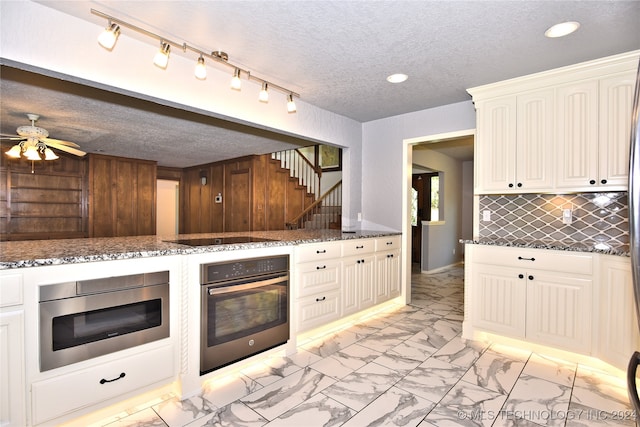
[{"x": 439, "y": 269}]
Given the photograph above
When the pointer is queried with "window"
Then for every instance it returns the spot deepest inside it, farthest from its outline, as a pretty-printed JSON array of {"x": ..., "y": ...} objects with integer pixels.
[
  {"x": 414, "y": 207},
  {"x": 434, "y": 197}
]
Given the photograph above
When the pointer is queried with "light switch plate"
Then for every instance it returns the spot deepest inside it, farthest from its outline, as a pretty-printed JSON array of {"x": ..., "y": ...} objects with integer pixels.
[{"x": 486, "y": 215}]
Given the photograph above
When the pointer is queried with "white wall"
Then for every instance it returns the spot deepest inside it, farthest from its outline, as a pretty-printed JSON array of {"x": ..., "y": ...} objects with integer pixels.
[{"x": 383, "y": 170}]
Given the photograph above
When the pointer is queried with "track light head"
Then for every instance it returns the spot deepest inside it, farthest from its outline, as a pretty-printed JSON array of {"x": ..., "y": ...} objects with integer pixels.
[
  {"x": 162, "y": 56},
  {"x": 236, "y": 83},
  {"x": 201, "y": 70},
  {"x": 264, "y": 94},
  {"x": 109, "y": 36},
  {"x": 291, "y": 106}
]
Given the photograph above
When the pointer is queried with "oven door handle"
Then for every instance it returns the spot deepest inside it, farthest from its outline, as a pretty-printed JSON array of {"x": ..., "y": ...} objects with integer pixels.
[{"x": 246, "y": 286}]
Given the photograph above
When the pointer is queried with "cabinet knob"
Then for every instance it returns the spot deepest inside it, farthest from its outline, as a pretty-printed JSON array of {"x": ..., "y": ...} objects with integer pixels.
[
  {"x": 519, "y": 184},
  {"x": 510, "y": 185},
  {"x": 358, "y": 261},
  {"x": 604, "y": 181},
  {"x": 592, "y": 182},
  {"x": 530, "y": 277},
  {"x": 520, "y": 276}
]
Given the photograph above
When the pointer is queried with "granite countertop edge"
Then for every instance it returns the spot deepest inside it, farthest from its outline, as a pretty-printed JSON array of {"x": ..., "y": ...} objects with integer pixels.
[
  {"x": 37, "y": 253},
  {"x": 558, "y": 246}
]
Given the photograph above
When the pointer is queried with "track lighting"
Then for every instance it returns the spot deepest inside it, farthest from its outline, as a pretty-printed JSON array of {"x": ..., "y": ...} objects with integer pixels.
[
  {"x": 264, "y": 94},
  {"x": 201, "y": 70},
  {"x": 109, "y": 36},
  {"x": 236, "y": 83},
  {"x": 162, "y": 56},
  {"x": 291, "y": 106}
]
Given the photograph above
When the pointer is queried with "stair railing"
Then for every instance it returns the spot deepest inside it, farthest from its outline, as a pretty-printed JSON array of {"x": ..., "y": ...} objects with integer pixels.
[
  {"x": 324, "y": 213},
  {"x": 301, "y": 168}
]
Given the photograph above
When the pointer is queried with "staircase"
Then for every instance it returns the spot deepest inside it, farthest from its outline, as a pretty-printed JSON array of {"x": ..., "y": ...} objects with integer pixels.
[{"x": 323, "y": 212}]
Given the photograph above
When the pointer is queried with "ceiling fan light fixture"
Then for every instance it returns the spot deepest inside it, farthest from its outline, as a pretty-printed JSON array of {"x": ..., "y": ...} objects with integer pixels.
[
  {"x": 107, "y": 39},
  {"x": 32, "y": 153},
  {"x": 14, "y": 152},
  {"x": 291, "y": 106},
  {"x": 562, "y": 29},
  {"x": 162, "y": 56},
  {"x": 49, "y": 154},
  {"x": 264, "y": 94},
  {"x": 201, "y": 70},
  {"x": 236, "y": 83}
]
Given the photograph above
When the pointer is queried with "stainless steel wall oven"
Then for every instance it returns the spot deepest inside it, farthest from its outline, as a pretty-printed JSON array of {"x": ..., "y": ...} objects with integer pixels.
[
  {"x": 84, "y": 319},
  {"x": 245, "y": 309}
]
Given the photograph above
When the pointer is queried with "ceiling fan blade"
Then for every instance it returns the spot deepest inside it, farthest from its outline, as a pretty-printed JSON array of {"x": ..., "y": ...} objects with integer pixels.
[
  {"x": 59, "y": 141},
  {"x": 65, "y": 148},
  {"x": 11, "y": 137}
]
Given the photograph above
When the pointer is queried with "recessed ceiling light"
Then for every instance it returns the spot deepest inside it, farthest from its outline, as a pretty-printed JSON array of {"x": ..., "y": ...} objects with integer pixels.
[
  {"x": 397, "y": 78},
  {"x": 562, "y": 29}
]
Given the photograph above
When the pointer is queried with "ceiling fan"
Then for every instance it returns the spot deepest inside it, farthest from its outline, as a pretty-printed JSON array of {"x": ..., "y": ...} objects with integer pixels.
[{"x": 35, "y": 141}]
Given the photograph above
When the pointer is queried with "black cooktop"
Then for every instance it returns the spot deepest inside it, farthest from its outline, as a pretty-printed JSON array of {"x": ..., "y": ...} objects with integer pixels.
[{"x": 210, "y": 241}]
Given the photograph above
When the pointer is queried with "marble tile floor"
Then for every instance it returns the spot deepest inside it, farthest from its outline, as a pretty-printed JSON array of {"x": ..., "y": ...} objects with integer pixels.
[{"x": 409, "y": 367}]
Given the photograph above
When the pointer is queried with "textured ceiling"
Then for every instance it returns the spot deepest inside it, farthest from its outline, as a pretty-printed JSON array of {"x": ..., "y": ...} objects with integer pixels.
[{"x": 337, "y": 55}]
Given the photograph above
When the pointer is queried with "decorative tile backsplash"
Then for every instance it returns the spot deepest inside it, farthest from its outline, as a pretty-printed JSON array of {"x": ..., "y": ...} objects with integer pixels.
[{"x": 598, "y": 218}]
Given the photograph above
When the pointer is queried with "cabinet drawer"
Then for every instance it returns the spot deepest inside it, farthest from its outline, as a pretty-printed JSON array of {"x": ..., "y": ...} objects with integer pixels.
[
  {"x": 318, "y": 310},
  {"x": 358, "y": 246},
  {"x": 322, "y": 276},
  {"x": 11, "y": 290},
  {"x": 318, "y": 251},
  {"x": 387, "y": 243},
  {"x": 55, "y": 397},
  {"x": 535, "y": 259}
]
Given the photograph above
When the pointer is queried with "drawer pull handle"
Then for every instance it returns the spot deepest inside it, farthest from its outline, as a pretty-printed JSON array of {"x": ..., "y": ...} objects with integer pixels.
[
  {"x": 324, "y": 251},
  {"x": 530, "y": 277},
  {"x": 321, "y": 267},
  {"x": 526, "y": 259},
  {"x": 321, "y": 299},
  {"x": 360, "y": 247},
  {"x": 103, "y": 381},
  {"x": 389, "y": 243},
  {"x": 390, "y": 256},
  {"x": 520, "y": 276}
]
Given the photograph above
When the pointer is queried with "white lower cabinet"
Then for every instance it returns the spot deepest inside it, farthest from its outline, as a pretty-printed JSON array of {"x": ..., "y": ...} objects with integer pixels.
[
  {"x": 617, "y": 324},
  {"x": 388, "y": 269},
  {"x": 358, "y": 283},
  {"x": 318, "y": 287},
  {"x": 12, "y": 384},
  {"x": 52, "y": 399},
  {"x": 541, "y": 296},
  {"x": 340, "y": 278}
]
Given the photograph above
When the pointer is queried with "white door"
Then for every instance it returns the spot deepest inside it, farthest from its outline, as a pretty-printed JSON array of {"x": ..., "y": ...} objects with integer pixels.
[{"x": 168, "y": 206}]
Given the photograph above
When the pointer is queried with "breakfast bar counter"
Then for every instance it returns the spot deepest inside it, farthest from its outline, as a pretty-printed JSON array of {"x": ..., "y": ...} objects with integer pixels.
[{"x": 19, "y": 254}]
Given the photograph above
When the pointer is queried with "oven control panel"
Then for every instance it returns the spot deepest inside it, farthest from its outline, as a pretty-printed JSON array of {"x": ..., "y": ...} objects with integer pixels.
[{"x": 239, "y": 269}]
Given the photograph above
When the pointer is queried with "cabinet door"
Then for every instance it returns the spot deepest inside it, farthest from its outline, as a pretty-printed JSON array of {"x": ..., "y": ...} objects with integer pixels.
[
  {"x": 387, "y": 276},
  {"x": 499, "y": 299},
  {"x": 617, "y": 325},
  {"x": 495, "y": 151},
  {"x": 559, "y": 311},
  {"x": 358, "y": 283},
  {"x": 577, "y": 136},
  {"x": 534, "y": 141},
  {"x": 12, "y": 388},
  {"x": 616, "y": 102}
]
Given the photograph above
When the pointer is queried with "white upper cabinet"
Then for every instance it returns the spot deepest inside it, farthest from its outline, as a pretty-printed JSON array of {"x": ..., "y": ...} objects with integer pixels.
[
  {"x": 577, "y": 135},
  {"x": 616, "y": 103},
  {"x": 556, "y": 131}
]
